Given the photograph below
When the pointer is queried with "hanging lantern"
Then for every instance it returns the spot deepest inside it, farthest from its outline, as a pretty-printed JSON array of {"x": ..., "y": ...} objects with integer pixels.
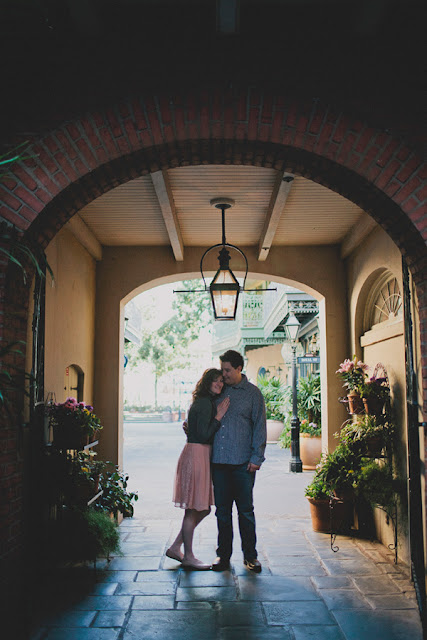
[{"x": 224, "y": 289}]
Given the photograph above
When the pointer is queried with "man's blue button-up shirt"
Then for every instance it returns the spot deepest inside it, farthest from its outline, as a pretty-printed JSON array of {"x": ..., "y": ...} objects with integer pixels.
[{"x": 242, "y": 436}]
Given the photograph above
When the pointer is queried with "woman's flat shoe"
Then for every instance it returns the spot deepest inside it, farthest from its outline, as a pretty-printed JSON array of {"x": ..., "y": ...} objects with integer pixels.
[
  {"x": 196, "y": 566},
  {"x": 174, "y": 556}
]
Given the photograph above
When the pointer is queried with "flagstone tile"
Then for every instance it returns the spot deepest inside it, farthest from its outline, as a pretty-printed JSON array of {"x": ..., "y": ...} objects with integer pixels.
[
  {"x": 206, "y": 593},
  {"x": 392, "y": 602},
  {"x": 316, "y": 632},
  {"x": 98, "y": 603},
  {"x": 176, "y": 624},
  {"x": 344, "y": 599},
  {"x": 82, "y": 634},
  {"x": 152, "y": 588},
  {"x": 274, "y": 588},
  {"x": 110, "y": 619},
  {"x": 153, "y": 602},
  {"x": 377, "y": 585},
  {"x": 381, "y": 625},
  {"x": 290, "y": 613},
  {"x": 255, "y": 633}
]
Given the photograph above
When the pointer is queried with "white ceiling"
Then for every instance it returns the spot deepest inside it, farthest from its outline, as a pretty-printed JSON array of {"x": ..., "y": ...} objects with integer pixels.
[{"x": 310, "y": 214}]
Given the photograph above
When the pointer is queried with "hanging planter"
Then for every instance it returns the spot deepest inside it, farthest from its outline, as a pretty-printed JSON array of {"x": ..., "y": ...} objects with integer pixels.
[
  {"x": 74, "y": 425},
  {"x": 373, "y": 406},
  {"x": 374, "y": 446}
]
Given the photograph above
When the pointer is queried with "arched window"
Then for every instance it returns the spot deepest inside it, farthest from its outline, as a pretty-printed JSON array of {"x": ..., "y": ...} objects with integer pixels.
[{"x": 384, "y": 303}]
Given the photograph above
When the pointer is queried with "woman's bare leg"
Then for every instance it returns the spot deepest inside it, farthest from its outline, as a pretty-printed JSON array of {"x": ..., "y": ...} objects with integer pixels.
[{"x": 190, "y": 521}]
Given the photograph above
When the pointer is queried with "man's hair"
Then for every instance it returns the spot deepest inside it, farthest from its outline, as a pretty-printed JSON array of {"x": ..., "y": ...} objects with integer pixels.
[{"x": 233, "y": 357}]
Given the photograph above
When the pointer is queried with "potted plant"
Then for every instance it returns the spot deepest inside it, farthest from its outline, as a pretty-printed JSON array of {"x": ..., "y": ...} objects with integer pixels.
[
  {"x": 339, "y": 469},
  {"x": 377, "y": 484},
  {"x": 115, "y": 498},
  {"x": 353, "y": 373},
  {"x": 74, "y": 424},
  {"x": 367, "y": 433},
  {"x": 309, "y": 413},
  {"x": 375, "y": 392},
  {"x": 276, "y": 395},
  {"x": 328, "y": 513},
  {"x": 310, "y": 444},
  {"x": 83, "y": 481},
  {"x": 85, "y": 534}
]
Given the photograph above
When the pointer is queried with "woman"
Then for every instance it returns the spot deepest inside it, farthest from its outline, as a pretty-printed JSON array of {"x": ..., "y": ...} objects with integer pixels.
[{"x": 193, "y": 482}]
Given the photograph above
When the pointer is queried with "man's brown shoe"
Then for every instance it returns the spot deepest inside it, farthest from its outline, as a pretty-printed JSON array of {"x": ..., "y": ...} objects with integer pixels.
[
  {"x": 253, "y": 565},
  {"x": 220, "y": 565}
]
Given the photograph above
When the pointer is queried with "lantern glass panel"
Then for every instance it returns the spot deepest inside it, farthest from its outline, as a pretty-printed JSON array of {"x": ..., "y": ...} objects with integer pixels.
[{"x": 225, "y": 292}]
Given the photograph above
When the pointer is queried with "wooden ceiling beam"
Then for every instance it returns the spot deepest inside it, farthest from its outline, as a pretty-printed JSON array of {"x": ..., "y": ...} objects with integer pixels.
[
  {"x": 279, "y": 195},
  {"x": 84, "y": 235},
  {"x": 164, "y": 194},
  {"x": 357, "y": 234}
]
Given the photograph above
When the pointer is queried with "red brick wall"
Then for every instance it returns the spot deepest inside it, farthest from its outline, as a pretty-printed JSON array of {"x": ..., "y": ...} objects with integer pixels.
[{"x": 80, "y": 160}]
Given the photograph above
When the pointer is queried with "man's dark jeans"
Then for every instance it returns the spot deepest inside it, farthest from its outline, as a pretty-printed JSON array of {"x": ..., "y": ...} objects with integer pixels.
[{"x": 234, "y": 483}]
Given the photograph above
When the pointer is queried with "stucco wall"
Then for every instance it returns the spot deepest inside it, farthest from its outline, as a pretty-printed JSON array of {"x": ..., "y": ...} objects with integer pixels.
[
  {"x": 70, "y": 314},
  {"x": 124, "y": 272},
  {"x": 381, "y": 345},
  {"x": 270, "y": 358}
]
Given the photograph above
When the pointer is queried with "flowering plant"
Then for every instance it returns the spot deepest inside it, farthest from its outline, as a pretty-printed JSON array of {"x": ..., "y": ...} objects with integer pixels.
[
  {"x": 353, "y": 372},
  {"x": 375, "y": 388},
  {"x": 318, "y": 489},
  {"x": 74, "y": 417},
  {"x": 310, "y": 428}
]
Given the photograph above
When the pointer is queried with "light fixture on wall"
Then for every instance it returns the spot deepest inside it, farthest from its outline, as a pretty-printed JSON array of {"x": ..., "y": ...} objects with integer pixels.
[{"x": 224, "y": 288}]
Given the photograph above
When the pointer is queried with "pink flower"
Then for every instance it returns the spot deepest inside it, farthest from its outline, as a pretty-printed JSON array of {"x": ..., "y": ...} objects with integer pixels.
[{"x": 345, "y": 366}]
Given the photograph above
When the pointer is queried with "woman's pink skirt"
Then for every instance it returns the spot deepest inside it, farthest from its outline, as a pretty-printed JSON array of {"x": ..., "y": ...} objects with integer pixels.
[{"x": 193, "y": 479}]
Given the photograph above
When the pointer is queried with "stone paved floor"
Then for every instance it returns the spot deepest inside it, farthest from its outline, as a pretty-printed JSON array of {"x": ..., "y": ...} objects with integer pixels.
[{"x": 304, "y": 591}]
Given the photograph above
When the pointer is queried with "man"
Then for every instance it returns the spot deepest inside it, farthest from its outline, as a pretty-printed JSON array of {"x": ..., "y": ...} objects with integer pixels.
[{"x": 237, "y": 454}]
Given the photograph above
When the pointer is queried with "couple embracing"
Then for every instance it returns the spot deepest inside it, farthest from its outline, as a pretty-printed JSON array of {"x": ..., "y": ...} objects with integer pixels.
[{"x": 226, "y": 439}]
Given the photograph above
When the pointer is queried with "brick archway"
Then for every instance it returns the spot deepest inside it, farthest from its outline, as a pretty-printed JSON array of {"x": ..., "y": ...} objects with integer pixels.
[
  {"x": 77, "y": 162},
  {"x": 80, "y": 160}
]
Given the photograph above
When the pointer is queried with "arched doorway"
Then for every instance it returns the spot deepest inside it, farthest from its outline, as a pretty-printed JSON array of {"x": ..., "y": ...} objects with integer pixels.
[{"x": 389, "y": 190}]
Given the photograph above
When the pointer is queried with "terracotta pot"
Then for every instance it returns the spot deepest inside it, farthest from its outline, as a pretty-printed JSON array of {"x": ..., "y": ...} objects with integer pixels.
[
  {"x": 345, "y": 495},
  {"x": 320, "y": 515},
  {"x": 373, "y": 406},
  {"x": 310, "y": 451},
  {"x": 274, "y": 429},
  {"x": 374, "y": 446},
  {"x": 330, "y": 519},
  {"x": 355, "y": 404},
  {"x": 66, "y": 437}
]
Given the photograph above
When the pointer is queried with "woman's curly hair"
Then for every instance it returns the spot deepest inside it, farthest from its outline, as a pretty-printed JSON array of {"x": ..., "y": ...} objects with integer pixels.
[{"x": 203, "y": 386}]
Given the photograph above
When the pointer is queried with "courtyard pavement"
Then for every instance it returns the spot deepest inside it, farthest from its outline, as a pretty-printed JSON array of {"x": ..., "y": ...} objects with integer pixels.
[{"x": 305, "y": 589}]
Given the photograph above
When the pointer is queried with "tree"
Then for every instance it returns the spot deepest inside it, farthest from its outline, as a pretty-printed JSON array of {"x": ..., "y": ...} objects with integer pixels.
[{"x": 167, "y": 347}]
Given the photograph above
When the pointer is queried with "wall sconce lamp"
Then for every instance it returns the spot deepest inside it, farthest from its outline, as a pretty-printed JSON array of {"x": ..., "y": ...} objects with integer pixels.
[{"x": 224, "y": 288}]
